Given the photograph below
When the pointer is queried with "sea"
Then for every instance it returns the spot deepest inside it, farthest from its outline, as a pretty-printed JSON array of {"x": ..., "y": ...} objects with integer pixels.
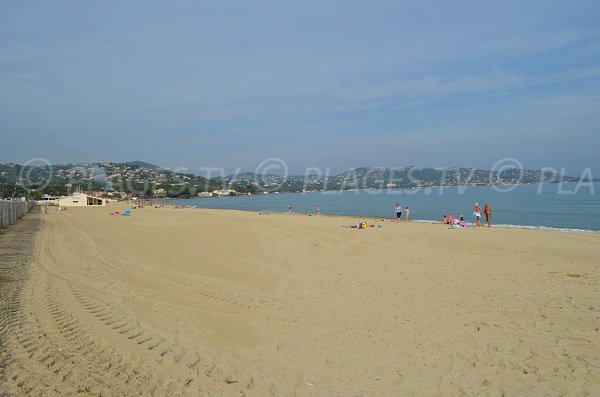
[{"x": 569, "y": 207}]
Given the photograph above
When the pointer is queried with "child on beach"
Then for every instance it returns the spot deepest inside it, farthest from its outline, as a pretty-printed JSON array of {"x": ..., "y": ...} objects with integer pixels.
[
  {"x": 477, "y": 213},
  {"x": 406, "y": 214}
]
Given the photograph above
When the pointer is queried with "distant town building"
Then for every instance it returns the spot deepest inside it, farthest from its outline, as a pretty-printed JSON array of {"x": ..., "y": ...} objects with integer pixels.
[{"x": 224, "y": 192}]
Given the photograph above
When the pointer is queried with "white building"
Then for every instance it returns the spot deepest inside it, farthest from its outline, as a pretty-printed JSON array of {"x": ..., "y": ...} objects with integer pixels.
[
  {"x": 223, "y": 192},
  {"x": 81, "y": 200}
]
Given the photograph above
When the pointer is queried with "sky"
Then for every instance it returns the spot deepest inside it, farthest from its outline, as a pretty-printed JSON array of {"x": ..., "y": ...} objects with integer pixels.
[{"x": 323, "y": 84}]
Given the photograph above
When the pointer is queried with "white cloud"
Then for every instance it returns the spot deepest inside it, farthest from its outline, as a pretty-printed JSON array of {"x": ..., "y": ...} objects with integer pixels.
[
  {"x": 429, "y": 89},
  {"x": 537, "y": 43}
]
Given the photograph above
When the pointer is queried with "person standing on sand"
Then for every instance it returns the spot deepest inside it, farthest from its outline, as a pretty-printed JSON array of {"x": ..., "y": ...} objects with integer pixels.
[
  {"x": 290, "y": 207},
  {"x": 477, "y": 213},
  {"x": 487, "y": 210},
  {"x": 406, "y": 214},
  {"x": 398, "y": 210},
  {"x": 318, "y": 209}
]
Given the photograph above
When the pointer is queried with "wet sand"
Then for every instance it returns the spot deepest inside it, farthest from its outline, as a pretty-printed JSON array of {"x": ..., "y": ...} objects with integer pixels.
[{"x": 224, "y": 303}]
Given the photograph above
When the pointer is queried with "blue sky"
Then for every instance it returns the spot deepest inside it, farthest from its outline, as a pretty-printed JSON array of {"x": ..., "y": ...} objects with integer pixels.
[{"x": 335, "y": 84}]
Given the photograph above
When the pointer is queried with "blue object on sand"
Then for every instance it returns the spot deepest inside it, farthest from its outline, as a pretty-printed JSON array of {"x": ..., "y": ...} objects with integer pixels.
[{"x": 127, "y": 213}]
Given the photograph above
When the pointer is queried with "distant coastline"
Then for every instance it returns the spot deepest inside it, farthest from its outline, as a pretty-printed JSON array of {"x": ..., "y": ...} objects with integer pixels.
[{"x": 146, "y": 180}]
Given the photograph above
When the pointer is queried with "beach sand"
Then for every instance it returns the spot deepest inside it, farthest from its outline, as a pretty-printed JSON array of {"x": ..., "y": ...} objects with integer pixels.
[{"x": 193, "y": 302}]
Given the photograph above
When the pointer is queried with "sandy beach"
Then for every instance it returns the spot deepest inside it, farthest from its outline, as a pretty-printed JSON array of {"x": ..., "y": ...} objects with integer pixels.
[{"x": 191, "y": 302}]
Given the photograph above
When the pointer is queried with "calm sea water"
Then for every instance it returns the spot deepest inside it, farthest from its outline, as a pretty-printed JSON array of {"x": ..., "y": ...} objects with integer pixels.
[{"x": 567, "y": 206}]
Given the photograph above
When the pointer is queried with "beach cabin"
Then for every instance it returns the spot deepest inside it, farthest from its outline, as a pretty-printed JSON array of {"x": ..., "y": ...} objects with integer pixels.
[{"x": 81, "y": 200}]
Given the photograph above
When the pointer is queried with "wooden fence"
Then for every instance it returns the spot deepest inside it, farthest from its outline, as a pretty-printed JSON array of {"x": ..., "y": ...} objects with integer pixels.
[{"x": 11, "y": 211}]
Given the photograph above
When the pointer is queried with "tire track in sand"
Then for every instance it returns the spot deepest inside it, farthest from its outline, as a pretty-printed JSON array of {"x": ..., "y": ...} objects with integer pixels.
[
  {"x": 58, "y": 338},
  {"x": 16, "y": 248}
]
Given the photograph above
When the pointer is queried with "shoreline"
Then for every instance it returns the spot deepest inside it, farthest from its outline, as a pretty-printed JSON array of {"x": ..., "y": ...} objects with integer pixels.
[
  {"x": 426, "y": 221},
  {"x": 525, "y": 208}
]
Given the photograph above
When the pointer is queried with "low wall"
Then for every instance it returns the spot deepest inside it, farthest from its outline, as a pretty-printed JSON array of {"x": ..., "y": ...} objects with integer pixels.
[{"x": 11, "y": 211}]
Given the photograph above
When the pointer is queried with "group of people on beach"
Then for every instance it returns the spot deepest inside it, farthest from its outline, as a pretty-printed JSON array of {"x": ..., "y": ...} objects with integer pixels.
[
  {"x": 448, "y": 220},
  {"x": 398, "y": 211},
  {"x": 487, "y": 211}
]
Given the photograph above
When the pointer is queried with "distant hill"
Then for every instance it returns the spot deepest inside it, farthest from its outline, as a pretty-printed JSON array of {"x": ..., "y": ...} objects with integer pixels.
[
  {"x": 149, "y": 180},
  {"x": 143, "y": 164}
]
